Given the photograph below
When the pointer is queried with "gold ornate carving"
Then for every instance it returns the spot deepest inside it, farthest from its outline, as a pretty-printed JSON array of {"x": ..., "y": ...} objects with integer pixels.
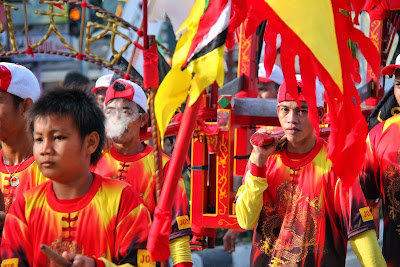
[
  {"x": 52, "y": 26},
  {"x": 10, "y": 26},
  {"x": 222, "y": 192},
  {"x": 112, "y": 26},
  {"x": 226, "y": 223}
]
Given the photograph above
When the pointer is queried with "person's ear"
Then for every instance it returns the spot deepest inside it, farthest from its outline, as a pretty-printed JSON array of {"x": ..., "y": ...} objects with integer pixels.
[
  {"x": 25, "y": 105},
  {"x": 144, "y": 119},
  {"x": 92, "y": 142}
]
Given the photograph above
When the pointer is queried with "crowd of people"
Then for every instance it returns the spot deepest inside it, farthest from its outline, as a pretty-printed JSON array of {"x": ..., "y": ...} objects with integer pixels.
[{"x": 76, "y": 177}]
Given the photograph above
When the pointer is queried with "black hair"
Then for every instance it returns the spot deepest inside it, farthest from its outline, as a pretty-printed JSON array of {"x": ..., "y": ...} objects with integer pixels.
[
  {"x": 16, "y": 100},
  {"x": 80, "y": 105},
  {"x": 76, "y": 80}
]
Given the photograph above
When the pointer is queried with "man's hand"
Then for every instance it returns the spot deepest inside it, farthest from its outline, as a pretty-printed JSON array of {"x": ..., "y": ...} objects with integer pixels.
[
  {"x": 229, "y": 240},
  {"x": 260, "y": 154},
  {"x": 79, "y": 260}
]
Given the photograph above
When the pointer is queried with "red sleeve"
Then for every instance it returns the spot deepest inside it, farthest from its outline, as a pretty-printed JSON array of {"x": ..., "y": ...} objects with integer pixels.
[
  {"x": 350, "y": 205},
  {"x": 180, "y": 210},
  {"x": 16, "y": 242},
  {"x": 133, "y": 224},
  {"x": 370, "y": 174},
  {"x": 258, "y": 171},
  {"x": 254, "y": 170}
]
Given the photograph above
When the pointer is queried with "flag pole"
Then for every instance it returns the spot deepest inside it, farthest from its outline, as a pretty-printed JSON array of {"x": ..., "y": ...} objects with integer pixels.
[
  {"x": 149, "y": 41},
  {"x": 157, "y": 243}
]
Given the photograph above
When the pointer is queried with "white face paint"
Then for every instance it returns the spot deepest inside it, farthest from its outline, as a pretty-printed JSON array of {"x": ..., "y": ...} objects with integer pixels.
[{"x": 119, "y": 118}]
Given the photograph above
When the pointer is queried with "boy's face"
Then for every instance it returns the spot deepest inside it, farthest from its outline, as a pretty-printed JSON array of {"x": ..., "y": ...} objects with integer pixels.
[
  {"x": 123, "y": 121},
  {"x": 12, "y": 119},
  {"x": 294, "y": 121},
  {"x": 58, "y": 148}
]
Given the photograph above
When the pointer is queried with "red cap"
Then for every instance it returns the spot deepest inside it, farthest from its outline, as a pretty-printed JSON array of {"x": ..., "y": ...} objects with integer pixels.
[
  {"x": 390, "y": 69},
  {"x": 122, "y": 88},
  {"x": 283, "y": 94}
]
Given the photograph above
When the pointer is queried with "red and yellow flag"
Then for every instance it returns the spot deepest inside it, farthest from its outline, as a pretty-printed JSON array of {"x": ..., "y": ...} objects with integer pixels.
[
  {"x": 317, "y": 32},
  {"x": 197, "y": 61}
]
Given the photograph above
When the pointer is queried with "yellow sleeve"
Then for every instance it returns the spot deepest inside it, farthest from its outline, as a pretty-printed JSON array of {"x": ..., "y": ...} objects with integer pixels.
[
  {"x": 249, "y": 200},
  {"x": 366, "y": 247},
  {"x": 180, "y": 250}
]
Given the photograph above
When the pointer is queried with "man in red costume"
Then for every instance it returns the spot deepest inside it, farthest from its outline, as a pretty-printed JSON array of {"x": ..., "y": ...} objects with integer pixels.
[
  {"x": 302, "y": 213},
  {"x": 132, "y": 161},
  {"x": 380, "y": 177},
  {"x": 19, "y": 89},
  {"x": 91, "y": 220}
]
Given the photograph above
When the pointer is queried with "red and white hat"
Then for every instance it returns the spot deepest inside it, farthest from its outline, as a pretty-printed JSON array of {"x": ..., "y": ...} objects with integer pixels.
[
  {"x": 103, "y": 81},
  {"x": 122, "y": 88},
  {"x": 276, "y": 74},
  {"x": 390, "y": 69},
  {"x": 283, "y": 94},
  {"x": 19, "y": 81}
]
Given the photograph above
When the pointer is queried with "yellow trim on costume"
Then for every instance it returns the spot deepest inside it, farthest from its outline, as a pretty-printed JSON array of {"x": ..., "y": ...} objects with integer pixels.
[
  {"x": 366, "y": 214},
  {"x": 144, "y": 259},
  {"x": 10, "y": 262},
  {"x": 180, "y": 250},
  {"x": 367, "y": 250},
  {"x": 183, "y": 222}
]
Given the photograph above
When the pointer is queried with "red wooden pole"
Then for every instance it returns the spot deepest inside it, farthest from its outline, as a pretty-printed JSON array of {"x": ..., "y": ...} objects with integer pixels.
[{"x": 158, "y": 242}]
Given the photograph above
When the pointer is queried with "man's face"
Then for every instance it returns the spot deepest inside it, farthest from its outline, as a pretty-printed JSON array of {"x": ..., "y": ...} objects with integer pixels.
[
  {"x": 101, "y": 96},
  {"x": 397, "y": 85},
  {"x": 123, "y": 121},
  {"x": 12, "y": 118},
  {"x": 267, "y": 90},
  {"x": 294, "y": 121}
]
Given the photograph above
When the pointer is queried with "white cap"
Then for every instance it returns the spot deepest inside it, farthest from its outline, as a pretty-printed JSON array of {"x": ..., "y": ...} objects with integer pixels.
[
  {"x": 276, "y": 74},
  {"x": 103, "y": 81},
  {"x": 18, "y": 80},
  {"x": 122, "y": 88}
]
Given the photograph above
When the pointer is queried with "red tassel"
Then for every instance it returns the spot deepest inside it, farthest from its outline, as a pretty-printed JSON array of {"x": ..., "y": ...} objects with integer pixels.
[
  {"x": 127, "y": 76},
  {"x": 80, "y": 56},
  {"x": 140, "y": 33},
  {"x": 83, "y": 4},
  {"x": 150, "y": 67},
  {"x": 29, "y": 51},
  {"x": 139, "y": 46}
]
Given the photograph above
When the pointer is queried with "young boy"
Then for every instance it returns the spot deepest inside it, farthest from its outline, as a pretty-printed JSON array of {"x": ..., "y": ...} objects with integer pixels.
[
  {"x": 132, "y": 161},
  {"x": 89, "y": 219}
]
